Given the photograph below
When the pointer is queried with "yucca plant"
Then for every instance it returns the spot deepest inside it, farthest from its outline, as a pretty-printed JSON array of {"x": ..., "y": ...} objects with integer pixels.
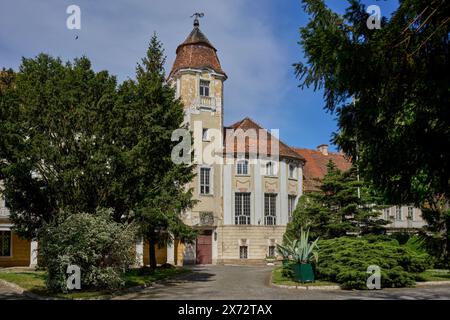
[
  {"x": 301, "y": 250},
  {"x": 305, "y": 251}
]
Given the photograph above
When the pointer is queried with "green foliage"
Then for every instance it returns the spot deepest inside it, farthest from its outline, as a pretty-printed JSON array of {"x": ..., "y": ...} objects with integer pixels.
[
  {"x": 54, "y": 141},
  {"x": 150, "y": 104},
  {"x": 336, "y": 209},
  {"x": 102, "y": 249},
  {"x": 345, "y": 260},
  {"x": 399, "y": 84},
  {"x": 437, "y": 231},
  {"x": 301, "y": 250},
  {"x": 287, "y": 270},
  {"x": 73, "y": 141}
]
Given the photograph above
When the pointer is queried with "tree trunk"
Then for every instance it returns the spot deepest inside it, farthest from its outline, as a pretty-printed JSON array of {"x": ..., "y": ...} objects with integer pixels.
[{"x": 152, "y": 253}]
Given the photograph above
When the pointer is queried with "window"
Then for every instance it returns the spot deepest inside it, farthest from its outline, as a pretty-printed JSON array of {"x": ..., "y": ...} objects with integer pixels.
[
  {"x": 398, "y": 213},
  {"x": 243, "y": 252},
  {"x": 291, "y": 206},
  {"x": 205, "y": 177},
  {"x": 387, "y": 213},
  {"x": 205, "y": 136},
  {"x": 272, "y": 251},
  {"x": 5, "y": 243},
  {"x": 292, "y": 172},
  {"x": 270, "y": 212},
  {"x": 411, "y": 213},
  {"x": 269, "y": 169},
  {"x": 242, "y": 167},
  {"x": 242, "y": 208},
  {"x": 204, "y": 88},
  {"x": 6, "y": 202}
]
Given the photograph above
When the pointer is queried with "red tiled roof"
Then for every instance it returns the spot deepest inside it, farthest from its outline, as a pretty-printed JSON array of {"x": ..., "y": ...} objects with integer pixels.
[
  {"x": 316, "y": 166},
  {"x": 250, "y": 141},
  {"x": 196, "y": 52}
]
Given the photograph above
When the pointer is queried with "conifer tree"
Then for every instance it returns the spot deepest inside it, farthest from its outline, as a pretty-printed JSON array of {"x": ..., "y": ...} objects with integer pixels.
[
  {"x": 152, "y": 114},
  {"x": 342, "y": 205}
]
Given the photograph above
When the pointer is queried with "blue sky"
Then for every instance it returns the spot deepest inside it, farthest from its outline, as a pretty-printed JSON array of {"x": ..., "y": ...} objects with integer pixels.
[{"x": 256, "y": 42}]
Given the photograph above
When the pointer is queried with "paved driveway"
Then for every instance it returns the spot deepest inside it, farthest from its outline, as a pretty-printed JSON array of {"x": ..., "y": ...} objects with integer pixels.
[
  {"x": 8, "y": 293},
  {"x": 252, "y": 282}
]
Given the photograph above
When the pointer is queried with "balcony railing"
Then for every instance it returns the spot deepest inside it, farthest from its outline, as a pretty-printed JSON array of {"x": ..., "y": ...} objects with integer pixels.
[{"x": 206, "y": 103}]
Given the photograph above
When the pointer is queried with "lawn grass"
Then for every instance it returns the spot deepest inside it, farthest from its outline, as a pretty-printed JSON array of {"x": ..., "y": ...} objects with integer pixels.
[
  {"x": 34, "y": 281},
  {"x": 433, "y": 275},
  {"x": 278, "y": 278}
]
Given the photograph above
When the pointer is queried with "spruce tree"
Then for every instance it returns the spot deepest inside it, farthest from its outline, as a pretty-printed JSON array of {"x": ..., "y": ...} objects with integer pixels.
[{"x": 343, "y": 205}]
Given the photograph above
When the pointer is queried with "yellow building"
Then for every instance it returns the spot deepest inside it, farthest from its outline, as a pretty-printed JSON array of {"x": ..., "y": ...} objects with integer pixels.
[{"x": 14, "y": 251}]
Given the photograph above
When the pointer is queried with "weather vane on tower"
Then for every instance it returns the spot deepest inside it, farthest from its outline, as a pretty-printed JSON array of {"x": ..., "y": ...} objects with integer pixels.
[{"x": 197, "y": 15}]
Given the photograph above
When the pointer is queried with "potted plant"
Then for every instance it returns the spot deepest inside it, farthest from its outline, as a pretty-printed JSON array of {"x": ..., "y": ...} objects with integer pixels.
[{"x": 304, "y": 253}]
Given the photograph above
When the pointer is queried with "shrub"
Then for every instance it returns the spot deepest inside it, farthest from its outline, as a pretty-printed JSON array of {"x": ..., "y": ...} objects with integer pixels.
[
  {"x": 345, "y": 260},
  {"x": 101, "y": 248},
  {"x": 287, "y": 271}
]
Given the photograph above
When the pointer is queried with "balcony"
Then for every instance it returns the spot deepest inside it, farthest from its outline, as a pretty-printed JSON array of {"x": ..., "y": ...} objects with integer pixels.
[{"x": 206, "y": 103}]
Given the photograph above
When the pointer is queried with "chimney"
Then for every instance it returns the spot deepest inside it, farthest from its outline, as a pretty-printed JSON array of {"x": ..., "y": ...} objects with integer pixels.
[{"x": 323, "y": 148}]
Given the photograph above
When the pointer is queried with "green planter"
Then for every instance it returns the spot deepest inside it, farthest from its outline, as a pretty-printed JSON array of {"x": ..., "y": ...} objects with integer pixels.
[{"x": 303, "y": 272}]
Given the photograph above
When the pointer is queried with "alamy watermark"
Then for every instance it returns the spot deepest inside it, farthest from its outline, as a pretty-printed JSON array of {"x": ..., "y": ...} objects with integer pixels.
[
  {"x": 374, "y": 280},
  {"x": 74, "y": 278},
  {"x": 257, "y": 146},
  {"x": 74, "y": 19}
]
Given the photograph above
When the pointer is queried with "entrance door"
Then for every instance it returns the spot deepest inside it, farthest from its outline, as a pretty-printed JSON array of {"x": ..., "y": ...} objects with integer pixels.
[{"x": 204, "y": 248}]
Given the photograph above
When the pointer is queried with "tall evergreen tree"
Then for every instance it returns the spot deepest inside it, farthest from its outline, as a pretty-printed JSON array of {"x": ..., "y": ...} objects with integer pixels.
[
  {"x": 152, "y": 114},
  {"x": 342, "y": 205}
]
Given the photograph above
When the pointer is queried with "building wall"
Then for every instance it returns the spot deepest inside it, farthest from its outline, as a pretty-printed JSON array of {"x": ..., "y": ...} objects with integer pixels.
[
  {"x": 257, "y": 184},
  {"x": 403, "y": 222},
  {"x": 256, "y": 238},
  {"x": 187, "y": 84},
  {"x": 20, "y": 253},
  {"x": 161, "y": 254}
]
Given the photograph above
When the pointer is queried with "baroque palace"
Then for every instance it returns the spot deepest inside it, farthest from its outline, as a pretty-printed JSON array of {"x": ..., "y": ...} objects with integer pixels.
[{"x": 243, "y": 205}]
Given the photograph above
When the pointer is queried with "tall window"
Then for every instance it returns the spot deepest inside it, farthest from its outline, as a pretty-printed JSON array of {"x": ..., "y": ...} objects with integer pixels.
[
  {"x": 204, "y": 88},
  {"x": 205, "y": 180},
  {"x": 5, "y": 243},
  {"x": 292, "y": 172},
  {"x": 291, "y": 206},
  {"x": 270, "y": 211},
  {"x": 270, "y": 171},
  {"x": 411, "y": 213},
  {"x": 398, "y": 213},
  {"x": 242, "y": 208},
  {"x": 205, "y": 135},
  {"x": 387, "y": 213},
  {"x": 272, "y": 252},
  {"x": 242, "y": 167},
  {"x": 243, "y": 252}
]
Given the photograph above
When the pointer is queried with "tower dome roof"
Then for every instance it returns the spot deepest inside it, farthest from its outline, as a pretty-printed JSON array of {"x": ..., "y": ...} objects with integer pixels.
[{"x": 196, "y": 52}]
